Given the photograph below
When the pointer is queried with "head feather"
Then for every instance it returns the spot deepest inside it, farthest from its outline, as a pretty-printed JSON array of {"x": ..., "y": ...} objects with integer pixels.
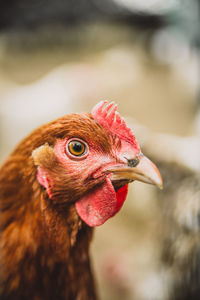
[{"x": 107, "y": 115}]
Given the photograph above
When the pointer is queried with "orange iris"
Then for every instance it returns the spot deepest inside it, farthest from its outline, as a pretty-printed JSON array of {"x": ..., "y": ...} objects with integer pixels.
[{"x": 76, "y": 148}]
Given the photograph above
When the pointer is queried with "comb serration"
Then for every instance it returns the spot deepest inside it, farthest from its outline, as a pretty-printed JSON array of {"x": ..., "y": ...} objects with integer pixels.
[{"x": 106, "y": 114}]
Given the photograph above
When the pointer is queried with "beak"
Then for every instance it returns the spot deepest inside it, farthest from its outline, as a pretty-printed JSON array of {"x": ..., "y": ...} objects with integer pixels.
[{"x": 145, "y": 171}]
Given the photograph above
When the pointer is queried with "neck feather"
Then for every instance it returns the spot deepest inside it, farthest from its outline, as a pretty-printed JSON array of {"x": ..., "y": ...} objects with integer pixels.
[{"x": 41, "y": 243}]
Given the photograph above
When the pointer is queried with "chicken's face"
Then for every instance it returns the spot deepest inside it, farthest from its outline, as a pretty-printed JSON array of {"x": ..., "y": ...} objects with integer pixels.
[{"x": 93, "y": 164}]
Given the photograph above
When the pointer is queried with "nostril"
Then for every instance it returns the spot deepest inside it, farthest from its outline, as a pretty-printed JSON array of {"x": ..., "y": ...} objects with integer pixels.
[{"x": 133, "y": 162}]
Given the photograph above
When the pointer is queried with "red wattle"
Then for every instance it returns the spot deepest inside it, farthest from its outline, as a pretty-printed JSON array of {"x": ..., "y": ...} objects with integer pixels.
[
  {"x": 101, "y": 203},
  {"x": 121, "y": 196}
]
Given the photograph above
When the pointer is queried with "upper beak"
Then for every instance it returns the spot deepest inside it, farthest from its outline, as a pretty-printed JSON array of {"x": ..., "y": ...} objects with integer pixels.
[{"x": 145, "y": 171}]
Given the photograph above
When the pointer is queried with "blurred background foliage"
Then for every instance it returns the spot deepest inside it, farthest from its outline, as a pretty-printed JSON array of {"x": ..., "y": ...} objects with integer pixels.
[{"x": 59, "y": 57}]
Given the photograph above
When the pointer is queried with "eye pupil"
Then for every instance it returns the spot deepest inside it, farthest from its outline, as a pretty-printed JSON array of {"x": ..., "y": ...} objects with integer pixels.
[{"x": 77, "y": 147}]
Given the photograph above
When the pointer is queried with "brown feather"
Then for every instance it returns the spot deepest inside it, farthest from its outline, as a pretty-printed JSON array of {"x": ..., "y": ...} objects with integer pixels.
[{"x": 44, "y": 247}]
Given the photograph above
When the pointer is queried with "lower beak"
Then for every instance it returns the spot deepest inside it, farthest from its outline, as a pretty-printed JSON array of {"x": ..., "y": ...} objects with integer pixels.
[{"x": 145, "y": 171}]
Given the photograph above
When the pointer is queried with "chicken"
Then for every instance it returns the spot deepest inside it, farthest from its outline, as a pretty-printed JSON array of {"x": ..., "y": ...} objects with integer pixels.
[{"x": 65, "y": 178}]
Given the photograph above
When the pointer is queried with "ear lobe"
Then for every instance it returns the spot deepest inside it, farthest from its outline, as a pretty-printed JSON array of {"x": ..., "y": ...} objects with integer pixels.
[
  {"x": 44, "y": 158},
  {"x": 42, "y": 178}
]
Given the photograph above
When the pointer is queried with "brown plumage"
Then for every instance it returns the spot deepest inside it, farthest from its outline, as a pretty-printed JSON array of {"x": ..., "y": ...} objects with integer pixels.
[
  {"x": 44, "y": 243},
  {"x": 34, "y": 249}
]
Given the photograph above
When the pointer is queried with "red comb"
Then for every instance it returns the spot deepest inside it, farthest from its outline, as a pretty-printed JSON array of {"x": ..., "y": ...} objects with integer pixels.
[{"x": 109, "y": 118}]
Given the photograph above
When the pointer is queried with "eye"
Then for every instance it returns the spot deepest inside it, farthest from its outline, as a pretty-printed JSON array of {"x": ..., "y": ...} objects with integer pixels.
[{"x": 76, "y": 148}]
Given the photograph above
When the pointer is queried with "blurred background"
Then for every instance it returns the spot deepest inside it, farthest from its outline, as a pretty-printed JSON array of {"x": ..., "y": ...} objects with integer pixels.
[{"x": 59, "y": 57}]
